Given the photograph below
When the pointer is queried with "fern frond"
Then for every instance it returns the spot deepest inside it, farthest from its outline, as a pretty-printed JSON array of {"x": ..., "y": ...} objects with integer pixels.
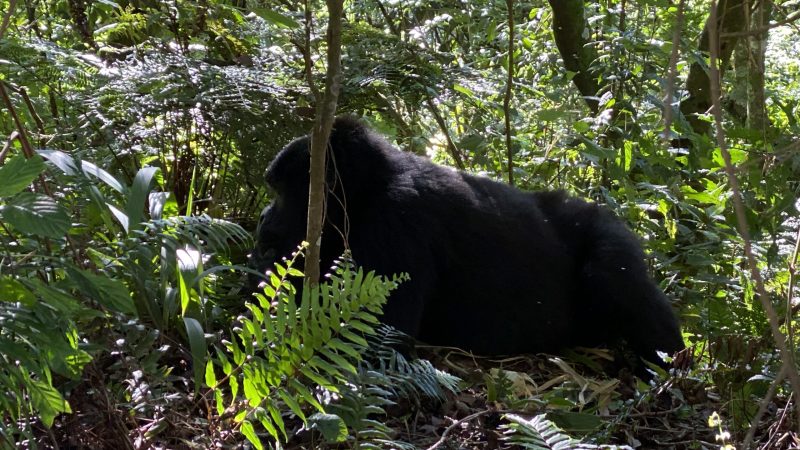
[{"x": 540, "y": 433}]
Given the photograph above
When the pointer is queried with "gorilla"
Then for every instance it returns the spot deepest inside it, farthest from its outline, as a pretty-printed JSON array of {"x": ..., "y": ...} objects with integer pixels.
[{"x": 493, "y": 270}]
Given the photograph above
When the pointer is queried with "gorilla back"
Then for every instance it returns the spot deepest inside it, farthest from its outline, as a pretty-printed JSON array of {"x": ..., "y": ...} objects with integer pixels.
[{"x": 493, "y": 269}]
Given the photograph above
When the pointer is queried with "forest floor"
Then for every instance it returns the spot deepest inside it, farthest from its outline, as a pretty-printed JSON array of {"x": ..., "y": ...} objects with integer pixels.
[{"x": 580, "y": 403}]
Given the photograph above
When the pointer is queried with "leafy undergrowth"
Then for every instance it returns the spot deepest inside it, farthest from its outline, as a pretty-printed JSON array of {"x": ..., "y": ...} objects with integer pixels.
[{"x": 520, "y": 402}]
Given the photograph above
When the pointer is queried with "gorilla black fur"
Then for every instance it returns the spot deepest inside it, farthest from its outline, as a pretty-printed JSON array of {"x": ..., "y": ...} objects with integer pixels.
[{"x": 493, "y": 269}]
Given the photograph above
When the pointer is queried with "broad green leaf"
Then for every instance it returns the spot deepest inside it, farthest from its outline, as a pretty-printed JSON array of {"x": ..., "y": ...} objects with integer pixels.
[
  {"x": 18, "y": 173},
  {"x": 197, "y": 345},
  {"x": 276, "y": 18},
  {"x": 140, "y": 189},
  {"x": 250, "y": 433},
  {"x": 59, "y": 299},
  {"x": 36, "y": 214},
  {"x": 12, "y": 290},
  {"x": 580, "y": 126},
  {"x": 464, "y": 90},
  {"x": 47, "y": 401},
  {"x": 61, "y": 160},
  {"x": 550, "y": 115},
  {"x": 574, "y": 422},
  {"x": 157, "y": 201},
  {"x": 108, "y": 292},
  {"x": 331, "y": 426},
  {"x": 92, "y": 169},
  {"x": 119, "y": 215}
]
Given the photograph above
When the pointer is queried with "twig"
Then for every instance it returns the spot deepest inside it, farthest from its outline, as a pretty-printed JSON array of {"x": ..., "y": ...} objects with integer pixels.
[
  {"x": 7, "y": 18},
  {"x": 451, "y": 146},
  {"x": 455, "y": 424},
  {"x": 789, "y": 19},
  {"x": 787, "y": 356},
  {"x": 673, "y": 72},
  {"x": 7, "y": 146},
  {"x": 308, "y": 63},
  {"x": 509, "y": 91},
  {"x": 320, "y": 135},
  {"x": 762, "y": 407}
]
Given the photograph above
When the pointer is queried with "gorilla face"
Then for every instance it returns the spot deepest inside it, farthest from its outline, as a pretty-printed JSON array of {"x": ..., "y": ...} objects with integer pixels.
[{"x": 282, "y": 225}]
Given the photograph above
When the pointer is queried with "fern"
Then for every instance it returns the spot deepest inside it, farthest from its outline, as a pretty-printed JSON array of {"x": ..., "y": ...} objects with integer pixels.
[
  {"x": 539, "y": 433},
  {"x": 285, "y": 345},
  {"x": 384, "y": 376},
  {"x": 408, "y": 379}
]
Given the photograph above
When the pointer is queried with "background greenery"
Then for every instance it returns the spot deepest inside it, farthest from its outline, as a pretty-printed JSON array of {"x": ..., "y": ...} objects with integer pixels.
[{"x": 135, "y": 135}]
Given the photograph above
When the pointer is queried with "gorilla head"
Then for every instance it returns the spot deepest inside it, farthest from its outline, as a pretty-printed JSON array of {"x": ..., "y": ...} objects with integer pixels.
[{"x": 493, "y": 269}]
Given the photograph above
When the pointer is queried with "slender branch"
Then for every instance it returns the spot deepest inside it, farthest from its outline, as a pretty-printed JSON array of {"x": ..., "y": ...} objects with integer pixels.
[
  {"x": 456, "y": 424},
  {"x": 673, "y": 72},
  {"x": 306, "y": 51},
  {"x": 786, "y": 353},
  {"x": 451, "y": 146},
  {"x": 392, "y": 27},
  {"x": 762, "y": 407},
  {"x": 7, "y": 18},
  {"x": 7, "y": 146},
  {"x": 756, "y": 31},
  {"x": 27, "y": 148},
  {"x": 326, "y": 110},
  {"x": 509, "y": 91}
]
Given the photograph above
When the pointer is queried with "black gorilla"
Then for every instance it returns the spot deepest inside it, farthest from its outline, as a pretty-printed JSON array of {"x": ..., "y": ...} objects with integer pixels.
[{"x": 493, "y": 269}]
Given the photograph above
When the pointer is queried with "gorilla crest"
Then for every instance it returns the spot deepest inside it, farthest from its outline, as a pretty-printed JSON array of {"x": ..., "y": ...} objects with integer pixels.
[{"x": 494, "y": 270}]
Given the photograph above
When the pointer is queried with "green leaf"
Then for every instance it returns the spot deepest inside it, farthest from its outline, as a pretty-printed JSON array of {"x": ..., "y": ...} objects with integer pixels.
[
  {"x": 292, "y": 403},
  {"x": 140, "y": 189},
  {"x": 573, "y": 422},
  {"x": 13, "y": 291},
  {"x": 580, "y": 126},
  {"x": 197, "y": 345},
  {"x": 250, "y": 433},
  {"x": 108, "y": 292},
  {"x": 61, "y": 160},
  {"x": 276, "y": 18},
  {"x": 277, "y": 420},
  {"x": 36, "y": 214},
  {"x": 211, "y": 377},
  {"x": 550, "y": 115},
  {"x": 18, "y": 173},
  {"x": 48, "y": 401},
  {"x": 331, "y": 426},
  {"x": 102, "y": 175},
  {"x": 464, "y": 90},
  {"x": 339, "y": 361}
]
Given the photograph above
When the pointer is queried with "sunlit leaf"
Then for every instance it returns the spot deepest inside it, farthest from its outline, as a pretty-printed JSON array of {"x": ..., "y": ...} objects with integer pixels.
[
  {"x": 18, "y": 173},
  {"x": 36, "y": 214}
]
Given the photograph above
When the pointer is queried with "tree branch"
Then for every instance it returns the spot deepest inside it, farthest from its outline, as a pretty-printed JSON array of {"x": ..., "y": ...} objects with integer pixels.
[
  {"x": 326, "y": 110},
  {"x": 509, "y": 91},
  {"x": 787, "y": 354}
]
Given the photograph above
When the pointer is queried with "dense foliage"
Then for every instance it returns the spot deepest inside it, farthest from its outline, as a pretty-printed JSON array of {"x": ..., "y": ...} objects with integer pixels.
[{"x": 134, "y": 139}]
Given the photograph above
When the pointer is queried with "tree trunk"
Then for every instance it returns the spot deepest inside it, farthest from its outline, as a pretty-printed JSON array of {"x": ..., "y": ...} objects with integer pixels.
[
  {"x": 730, "y": 19},
  {"x": 326, "y": 110},
  {"x": 756, "y": 101},
  {"x": 568, "y": 31}
]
